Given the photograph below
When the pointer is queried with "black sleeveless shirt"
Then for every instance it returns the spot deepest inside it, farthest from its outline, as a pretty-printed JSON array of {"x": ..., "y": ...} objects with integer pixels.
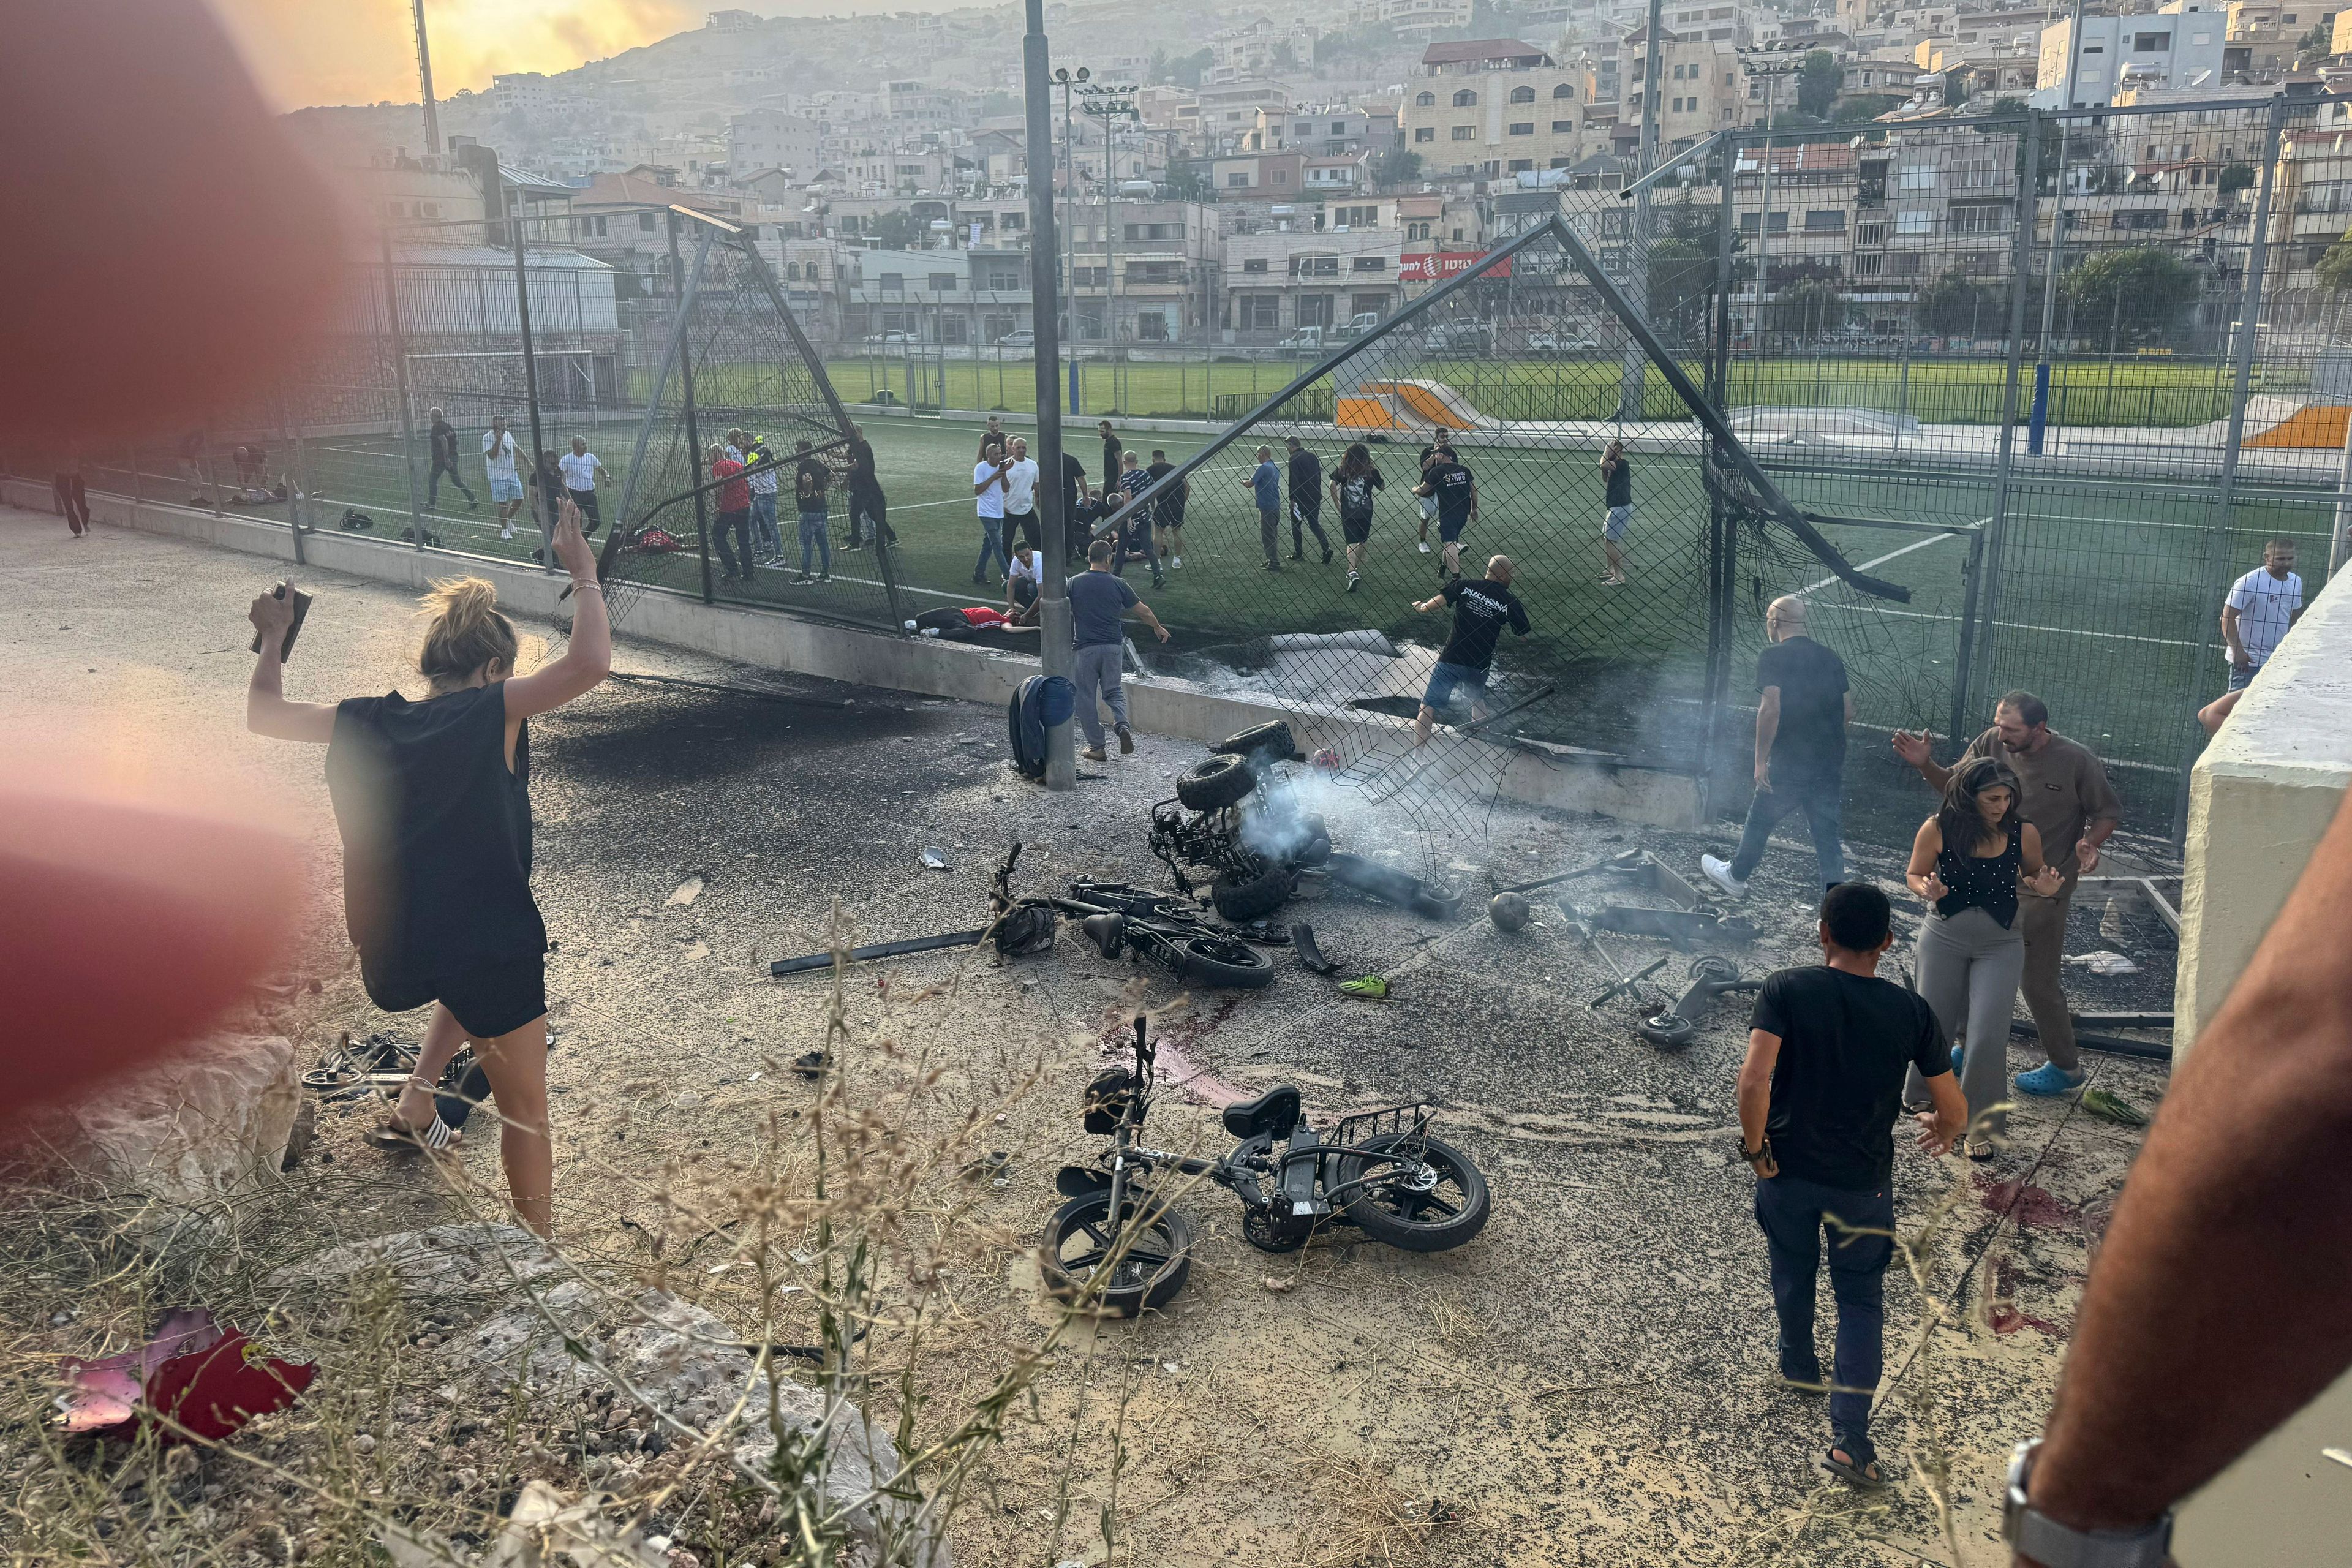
[
  {"x": 1976, "y": 882},
  {"x": 436, "y": 836}
]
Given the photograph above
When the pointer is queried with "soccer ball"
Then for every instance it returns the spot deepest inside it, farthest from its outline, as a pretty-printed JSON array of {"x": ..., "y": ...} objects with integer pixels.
[{"x": 1509, "y": 911}]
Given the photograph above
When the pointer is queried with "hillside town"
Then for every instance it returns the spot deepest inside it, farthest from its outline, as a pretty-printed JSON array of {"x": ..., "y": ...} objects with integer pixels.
[{"x": 1292, "y": 183}]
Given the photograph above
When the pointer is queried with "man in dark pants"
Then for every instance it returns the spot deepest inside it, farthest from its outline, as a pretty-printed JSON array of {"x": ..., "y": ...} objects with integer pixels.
[
  {"x": 1802, "y": 708},
  {"x": 1305, "y": 501},
  {"x": 1818, "y": 1095},
  {"x": 868, "y": 510},
  {"x": 444, "y": 439}
]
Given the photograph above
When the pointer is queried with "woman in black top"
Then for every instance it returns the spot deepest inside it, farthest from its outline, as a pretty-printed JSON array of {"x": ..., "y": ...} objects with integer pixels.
[
  {"x": 432, "y": 799},
  {"x": 1353, "y": 484},
  {"x": 1967, "y": 862}
]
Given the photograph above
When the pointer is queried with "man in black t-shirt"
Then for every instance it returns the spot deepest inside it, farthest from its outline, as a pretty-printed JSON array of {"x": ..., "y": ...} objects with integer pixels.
[
  {"x": 1449, "y": 484},
  {"x": 444, "y": 440},
  {"x": 1167, "y": 536},
  {"x": 868, "y": 507},
  {"x": 1074, "y": 497},
  {"x": 1441, "y": 445},
  {"x": 1305, "y": 501},
  {"x": 1481, "y": 611},
  {"x": 1802, "y": 708},
  {"x": 1818, "y": 1095}
]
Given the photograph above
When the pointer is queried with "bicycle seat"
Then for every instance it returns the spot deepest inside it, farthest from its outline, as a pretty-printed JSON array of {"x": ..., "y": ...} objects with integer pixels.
[{"x": 1273, "y": 1113}]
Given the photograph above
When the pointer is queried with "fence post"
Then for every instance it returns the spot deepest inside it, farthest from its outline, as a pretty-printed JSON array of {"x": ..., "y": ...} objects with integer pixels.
[
  {"x": 2249, "y": 313},
  {"x": 1980, "y": 604},
  {"x": 686, "y": 395},
  {"x": 399, "y": 382},
  {"x": 542, "y": 504},
  {"x": 1722, "y": 534},
  {"x": 297, "y": 490}
]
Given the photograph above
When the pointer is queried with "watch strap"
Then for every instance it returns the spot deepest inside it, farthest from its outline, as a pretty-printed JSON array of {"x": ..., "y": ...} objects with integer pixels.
[{"x": 2054, "y": 1545}]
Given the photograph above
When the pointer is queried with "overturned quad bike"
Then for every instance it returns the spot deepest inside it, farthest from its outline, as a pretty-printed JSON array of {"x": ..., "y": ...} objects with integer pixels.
[
  {"x": 1235, "y": 817},
  {"x": 1119, "y": 1243}
]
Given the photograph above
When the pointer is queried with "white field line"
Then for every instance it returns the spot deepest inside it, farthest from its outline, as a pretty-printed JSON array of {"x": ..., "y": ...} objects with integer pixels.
[{"x": 1882, "y": 559}]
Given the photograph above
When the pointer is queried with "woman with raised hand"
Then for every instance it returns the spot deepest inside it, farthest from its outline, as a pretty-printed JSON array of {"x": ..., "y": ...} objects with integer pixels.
[
  {"x": 432, "y": 799},
  {"x": 1968, "y": 861}
]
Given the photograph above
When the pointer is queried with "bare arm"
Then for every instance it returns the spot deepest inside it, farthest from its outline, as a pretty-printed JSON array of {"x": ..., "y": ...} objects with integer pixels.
[
  {"x": 588, "y": 659},
  {"x": 1768, "y": 725},
  {"x": 1949, "y": 1117},
  {"x": 1920, "y": 876},
  {"x": 1143, "y": 613},
  {"x": 1756, "y": 1097},
  {"x": 1849, "y": 707},
  {"x": 266, "y": 712},
  {"x": 1918, "y": 751},
  {"x": 2230, "y": 636},
  {"x": 2033, "y": 874},
  {"x": 2241, "y": 1195}
]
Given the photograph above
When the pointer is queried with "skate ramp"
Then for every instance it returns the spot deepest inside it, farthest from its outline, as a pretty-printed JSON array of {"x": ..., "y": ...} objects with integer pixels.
[{"x": 1425, "y": 403}]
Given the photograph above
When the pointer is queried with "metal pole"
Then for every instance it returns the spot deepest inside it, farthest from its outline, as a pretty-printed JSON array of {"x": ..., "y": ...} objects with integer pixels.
[
  {"x": 1111, "y": 247},
  {"x": 425, "y": 84},
  {"x": 686, "y": 389},
  {"x": 1764, "y": 214},
  {"x": 1054, "y": 639},
  {"x": 2341, "y": 549},
  {"x": 540, "y": 507},
  {"x": 2250, "y": 315},
  {"x": 2057, "y": 232},
  {"x": 1722, "y": 532},
  {"x": 1984, "y": 584},
  {"x": 1069, "y": 254},
  {"x": 1634, "y": 378},
  {"x": 295, "y": 488},
  {"x": 400, "y": 380}
]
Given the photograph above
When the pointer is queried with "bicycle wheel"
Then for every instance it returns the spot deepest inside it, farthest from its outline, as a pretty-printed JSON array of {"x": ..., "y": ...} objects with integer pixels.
[
  {"x": 1140, "y": 1263},
  {"x": 1420, "y": 1195}
]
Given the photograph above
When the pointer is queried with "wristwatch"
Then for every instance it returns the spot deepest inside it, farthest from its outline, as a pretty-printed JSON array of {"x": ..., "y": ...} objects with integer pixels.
[
  {"x": 2034, "y": 1534},
  {"x": 1763, "y": 1147}
]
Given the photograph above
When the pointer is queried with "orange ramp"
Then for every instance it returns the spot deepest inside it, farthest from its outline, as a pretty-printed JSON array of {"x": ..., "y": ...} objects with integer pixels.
[{"x": 2315, "y": 426}]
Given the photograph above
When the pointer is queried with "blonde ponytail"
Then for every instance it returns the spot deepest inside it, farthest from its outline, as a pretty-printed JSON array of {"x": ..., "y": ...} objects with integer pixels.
[{"x": 465, "y": 630}]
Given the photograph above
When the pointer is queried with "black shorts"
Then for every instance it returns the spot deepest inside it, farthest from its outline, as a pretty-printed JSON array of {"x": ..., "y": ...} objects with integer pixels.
[
  {"x": 492, "y": 999},
  {"x": 1449, "y": 529},
  {"x": 1355, "y": 530}
]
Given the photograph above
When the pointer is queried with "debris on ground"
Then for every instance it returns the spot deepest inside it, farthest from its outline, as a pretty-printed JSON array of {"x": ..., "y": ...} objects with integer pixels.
[
  {"x": 205, "y": 1379},
  {"x": 935, "y": 861},
  {"x": 2112, "y": 1108},
  {"x": 685, "y": 893},
  {"x": 546, "y": 1529},
  {"x": 2103, "y": 962}
]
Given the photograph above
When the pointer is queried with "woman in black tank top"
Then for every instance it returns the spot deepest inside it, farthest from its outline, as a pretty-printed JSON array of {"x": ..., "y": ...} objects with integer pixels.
[
  {"x": 432, "y": 799},
  {"x": 1969, "y": 861}
]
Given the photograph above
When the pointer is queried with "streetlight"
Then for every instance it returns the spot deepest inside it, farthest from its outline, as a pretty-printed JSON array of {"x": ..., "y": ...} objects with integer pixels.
[
  {"x": 1066, "y": 80},
  {"x": 1110, "y": 104},
  {"x": 1770, "y": 61}
]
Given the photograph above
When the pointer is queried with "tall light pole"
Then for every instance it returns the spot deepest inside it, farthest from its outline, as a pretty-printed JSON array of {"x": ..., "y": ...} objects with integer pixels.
[
  {"x": 1635, "y": 380},
  {"x": 1066, "y": 79},
  {"x": 1110, "y": 105},
  {"x": 425, "y": 82},
  {"x": 1772, "y": 61},
  {"x": 2039, "y": 421},
  {"x": 1045, "y": 294}
]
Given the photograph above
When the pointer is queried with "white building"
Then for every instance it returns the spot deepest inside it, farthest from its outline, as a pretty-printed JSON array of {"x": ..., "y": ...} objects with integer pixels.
[
  {"x": 2179, "y": 46},
  {"x": 771, "y": 139},
  {"x": 523, "y": 92}
]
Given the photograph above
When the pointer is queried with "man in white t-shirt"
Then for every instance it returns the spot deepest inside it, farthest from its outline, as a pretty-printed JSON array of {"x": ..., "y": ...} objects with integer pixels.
[
  {"x": 581, "y": 474},
  {"x": 1021, "y": 499},
  {"x": 2261, "y": 606},
  {"x": 499, "y": 465},
  {"x": 989, "y": 484},
  {"x": 1024, "y": 579}
]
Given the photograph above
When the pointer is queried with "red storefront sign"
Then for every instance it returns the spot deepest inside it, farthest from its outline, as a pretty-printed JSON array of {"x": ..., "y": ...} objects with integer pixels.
[{"x": 1436, "y": 266}]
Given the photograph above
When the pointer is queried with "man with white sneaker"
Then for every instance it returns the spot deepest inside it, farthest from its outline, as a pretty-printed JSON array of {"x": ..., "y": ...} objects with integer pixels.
[
  {"x": 1803, "y": 706},
  {"x": 2062, "y": 790}
]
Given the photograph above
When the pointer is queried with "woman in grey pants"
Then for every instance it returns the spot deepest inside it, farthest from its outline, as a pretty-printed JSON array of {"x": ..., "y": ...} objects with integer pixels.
[{"x": 1969, "y": 861}]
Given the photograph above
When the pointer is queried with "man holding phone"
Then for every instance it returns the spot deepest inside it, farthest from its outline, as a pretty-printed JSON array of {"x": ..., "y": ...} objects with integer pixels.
[{"x": 499, "y": 465}]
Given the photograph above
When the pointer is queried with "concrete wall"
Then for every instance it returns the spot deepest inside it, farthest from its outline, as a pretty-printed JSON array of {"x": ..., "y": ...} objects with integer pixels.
[
  {"x": 770, "y": 639},
  {"x": 2260, "y": 798}
]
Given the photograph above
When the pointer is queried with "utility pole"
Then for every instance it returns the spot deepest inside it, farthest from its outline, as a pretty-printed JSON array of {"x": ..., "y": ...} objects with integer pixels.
[
  {"x": 1110, "y": 105},
  {"x": 425, "y": 82},
  {"x": 1635, "y": 379},
  {"x": 2039, "y": 421},
  {"x": 1772, "y": 61},
  {"x": 1066, "y": 79},
  {"x": 1045, "y": 291}
]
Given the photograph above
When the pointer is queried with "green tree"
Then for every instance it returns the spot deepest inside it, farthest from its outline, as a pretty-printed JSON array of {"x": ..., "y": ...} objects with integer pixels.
[
  {"x": 1954, "y": 305},
  {"x": 1809, "y": 308},
  {"x": 1865, "y": 106},
  {"x": 2336, "y": 268},
  {"x": 2132, "y": 295},
  {"x": 897, "y": 231},
  {"x": 2236, "y": 177},
  {"x": 1682, "y": 276},
  {"x": 1286, "y": 57},
  {"x": 2319, "y": 42},
  {"x": 1818, "y": 81},
  {"x": 1185, "y": 70},
  {"x": 1395, "y": 167}
]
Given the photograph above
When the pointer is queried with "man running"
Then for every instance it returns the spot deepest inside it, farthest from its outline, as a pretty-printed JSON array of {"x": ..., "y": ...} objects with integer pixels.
[
  {"x": 1353, "y": 484},
  {"x": 1306, "y": 501},
  {"x": 499, "y": 466},
  {"x": 1439, "y": 444},
  {"x": 1481, "y": 610},
  {"x": 1449, "y": 484},
  {"x": 443, "y": 440},
  {"x": 581, "y": 474},
  {"x": 1617, "y": 478}
]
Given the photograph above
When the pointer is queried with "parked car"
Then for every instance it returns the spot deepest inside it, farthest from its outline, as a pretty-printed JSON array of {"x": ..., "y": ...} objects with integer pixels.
[
  {"x": 890, "y": 339},
  {"x": 1021, "y": 338},
  {"x": 1457, "y": 337},
  {"x": 1304, "y": 338},
  {"x": 1358, "y": 324},
  {"x": 1558, "y": 342}
]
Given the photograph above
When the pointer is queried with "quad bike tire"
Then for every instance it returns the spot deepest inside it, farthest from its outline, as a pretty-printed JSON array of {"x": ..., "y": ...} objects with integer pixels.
[
  {"x": 1225, "y": 962},
  {"x": 1385, "y": 1214},
  {"x": 1216, "y": 783},
  {"x": 1273, "y": 736},
  {"x": 1242, "y": 900},
  {"x": 1158, "y": 1262}
]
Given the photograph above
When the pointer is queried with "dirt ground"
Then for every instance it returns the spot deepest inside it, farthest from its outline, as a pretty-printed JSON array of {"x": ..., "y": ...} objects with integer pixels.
[{"x": 1587, "y": 1383}]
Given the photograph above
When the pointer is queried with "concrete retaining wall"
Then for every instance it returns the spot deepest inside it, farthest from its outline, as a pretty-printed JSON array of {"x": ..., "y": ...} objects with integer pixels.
[{"x": 772, "y": 640}]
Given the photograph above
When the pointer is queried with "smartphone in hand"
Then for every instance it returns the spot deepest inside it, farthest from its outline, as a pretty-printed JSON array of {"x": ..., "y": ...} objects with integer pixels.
[{"x": 302, "y": 609}]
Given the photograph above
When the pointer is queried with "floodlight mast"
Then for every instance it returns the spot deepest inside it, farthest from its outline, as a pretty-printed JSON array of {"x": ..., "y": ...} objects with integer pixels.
[{"x": 1055, "y": 647}]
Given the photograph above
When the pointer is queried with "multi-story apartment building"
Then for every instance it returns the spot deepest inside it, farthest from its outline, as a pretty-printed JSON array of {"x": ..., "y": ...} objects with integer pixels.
[
  {"x": 1281, "y": 175},
  {"x": 1411, "y": 19},
  {"x": 953, "y": 297},
  {"x": 2179, "y": 46},
  {"x": 1734, "y": 23},
  {"x": 1491, "y": 106},
  {"x": 771, "y": 139},
  {"x": 1322, "y": 133},
  {"x": 1700, "y": 90},
  {"x": 1228, "y": 111},
  {"x": 1164, "y": 255},
  {"x": 1280, "y": 281},
  {"x": 1259, "y": 48}
]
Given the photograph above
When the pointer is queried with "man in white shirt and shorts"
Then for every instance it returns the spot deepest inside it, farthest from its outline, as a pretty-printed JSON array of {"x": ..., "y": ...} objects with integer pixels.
[
  {"x": 499, "y": 465},
  {"x": 2261, "y": 606}
]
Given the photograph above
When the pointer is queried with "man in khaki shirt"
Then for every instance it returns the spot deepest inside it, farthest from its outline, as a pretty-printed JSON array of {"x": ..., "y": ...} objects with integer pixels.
[{"x": 2067, "y": 796}]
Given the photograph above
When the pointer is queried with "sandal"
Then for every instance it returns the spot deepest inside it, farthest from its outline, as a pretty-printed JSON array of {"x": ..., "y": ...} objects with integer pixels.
[
  {"x": 395, "y": 1136},
  {"x": 1866, "y": 1475}
]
